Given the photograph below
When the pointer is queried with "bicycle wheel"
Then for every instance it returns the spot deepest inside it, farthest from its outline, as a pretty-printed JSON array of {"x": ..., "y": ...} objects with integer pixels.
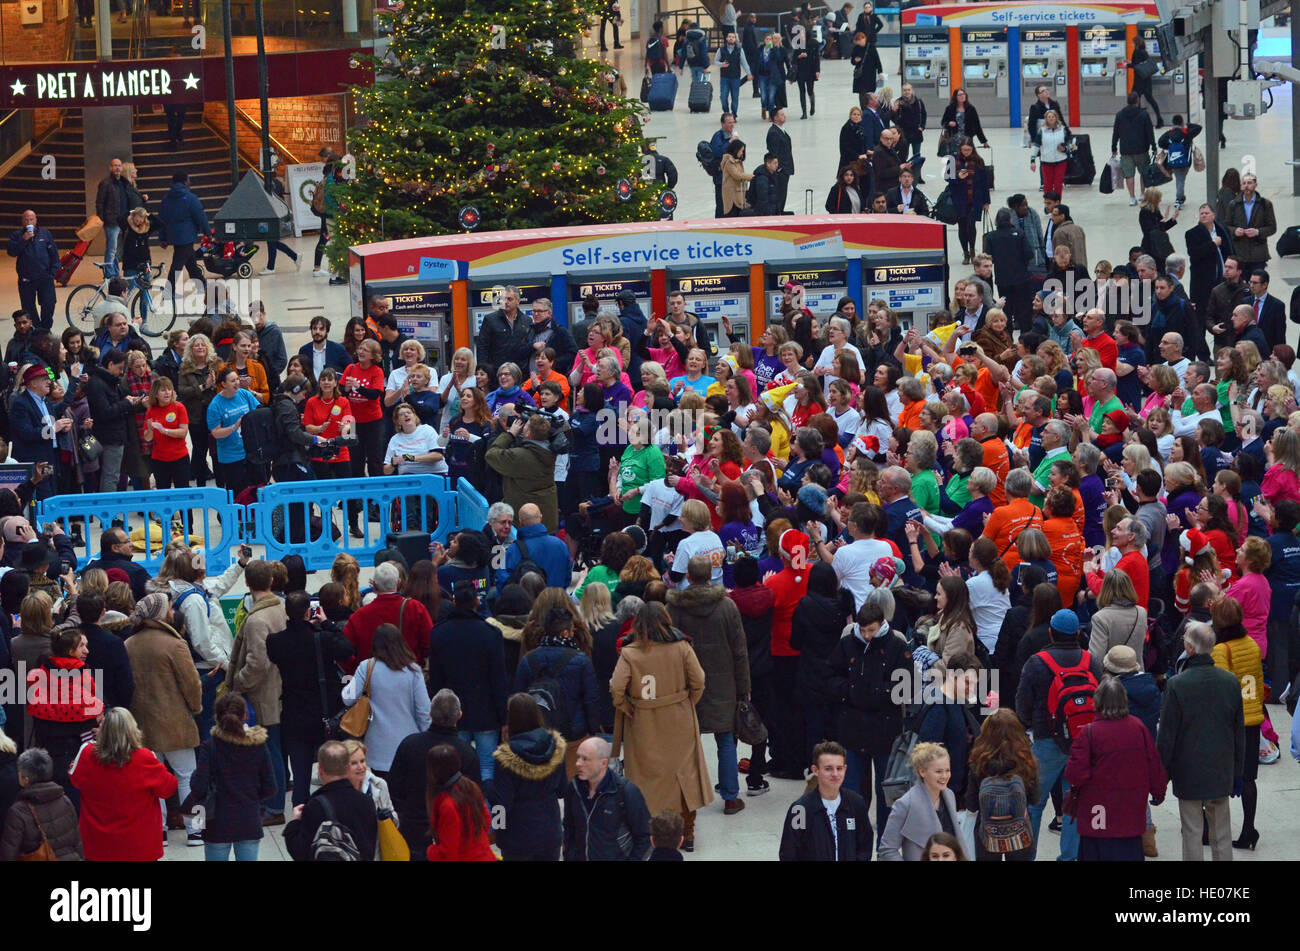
[
  {"x": 158, "y": 317},
  {"x": 81, "y": 306}
]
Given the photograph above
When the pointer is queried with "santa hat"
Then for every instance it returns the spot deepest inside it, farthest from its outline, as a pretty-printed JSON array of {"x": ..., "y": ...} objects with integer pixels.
[
  {"x": 867, "y": 443},
  {"x": 1193, "y": 542},
  {"x": 794, "y": 545}
]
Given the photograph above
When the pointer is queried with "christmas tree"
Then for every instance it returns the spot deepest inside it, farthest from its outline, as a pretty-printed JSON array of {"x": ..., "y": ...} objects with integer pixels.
[{"x": 487, "y": 107}]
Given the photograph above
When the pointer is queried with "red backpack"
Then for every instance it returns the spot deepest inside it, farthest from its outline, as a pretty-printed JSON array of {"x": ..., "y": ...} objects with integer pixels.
[{"x": 1070, "y": 704}]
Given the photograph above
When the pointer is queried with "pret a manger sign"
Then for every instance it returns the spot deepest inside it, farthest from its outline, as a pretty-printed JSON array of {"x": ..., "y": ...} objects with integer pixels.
[
  {"x": 101, "y": 84},
  {"x": 112, "y": 85}
]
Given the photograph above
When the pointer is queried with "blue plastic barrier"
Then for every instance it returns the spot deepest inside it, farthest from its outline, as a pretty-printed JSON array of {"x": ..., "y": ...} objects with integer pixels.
[
  {"x": 471, "y": 507},
  {"x": 415, "y": 502},
  {"x": 135, "y": 510}
]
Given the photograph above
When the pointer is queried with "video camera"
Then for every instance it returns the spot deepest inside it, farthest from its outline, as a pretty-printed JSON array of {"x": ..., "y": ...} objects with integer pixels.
[{"x": 559, "y": 438}]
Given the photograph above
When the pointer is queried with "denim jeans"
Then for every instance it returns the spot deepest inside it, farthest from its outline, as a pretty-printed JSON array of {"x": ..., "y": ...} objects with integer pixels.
[
  {"x": 211, "y": 683},
  {"x": 245, "y": 851},
  {"x": 766, "y": 92},
  {"x": 1051, "y": 766},
  {"x": 730, "y": 94},
  {"x": 273, "y": 805},
  {"x": 485, "y": 743},
  {"x": 699, "y": 74},
  {"x": 1180, "y": 179},
  {"x": 112, "y": 234},
  {"x": 728, "y": 771},
  {"x": 855, "y": 771}
]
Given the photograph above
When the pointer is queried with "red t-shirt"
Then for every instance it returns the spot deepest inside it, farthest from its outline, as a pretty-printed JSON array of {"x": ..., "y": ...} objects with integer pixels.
[
  {"x": 365, "y": 410},
  {"x": 319, "y": 413},
  {"x": 1105, "y": 345},
  {"x": 168, "y": 448},
  {"x": 1134, "y": 564}
]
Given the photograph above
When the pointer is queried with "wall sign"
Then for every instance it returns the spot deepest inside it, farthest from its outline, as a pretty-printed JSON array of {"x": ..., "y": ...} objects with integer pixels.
[{"x": 34, "y": 85}]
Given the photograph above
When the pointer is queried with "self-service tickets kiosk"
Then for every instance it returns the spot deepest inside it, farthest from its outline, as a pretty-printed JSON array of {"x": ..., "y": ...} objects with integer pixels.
[
  {"x": 485, "y": 297},
  {"x": 425, "y": 315},
  {"x": 1168, "y": 85},
  {"x": 1043, "y": 55},
  {"x": 1103, "y": 84},
  {"x": 913, "y": 286},
  {"x": 984, "y": 64},
  {"x": 822, "y": 289},
  {"x": 713, "y": 294},
  {"x": 925, "y": 65},
  {"x": 582, "y": 286}
]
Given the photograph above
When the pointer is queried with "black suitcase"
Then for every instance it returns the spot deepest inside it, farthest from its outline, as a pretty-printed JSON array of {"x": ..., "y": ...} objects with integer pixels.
[
  {"x": 1080, "y": 168},
  {"x": 701, "y": 97}
]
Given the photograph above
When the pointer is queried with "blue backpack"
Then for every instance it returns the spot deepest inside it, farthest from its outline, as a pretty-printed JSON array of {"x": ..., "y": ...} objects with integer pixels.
[
  {"x": 1180, "y": 156},
  {"x": 207, "y": 607}
]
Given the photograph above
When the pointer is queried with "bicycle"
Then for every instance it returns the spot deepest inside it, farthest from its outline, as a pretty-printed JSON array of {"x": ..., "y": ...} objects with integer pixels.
[{"x": 145, "y": 305}]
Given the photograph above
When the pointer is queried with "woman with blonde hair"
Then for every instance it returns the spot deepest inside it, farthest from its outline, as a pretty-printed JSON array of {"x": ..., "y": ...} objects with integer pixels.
[
  {"x": 453, "y": 381},
  {"x": 1153, "y": 224},
  {"x": 346, "y": 571},
  {"x": 1282, "y": 479},
  {"x": 121, "y": 784},
  {"x": 196, "y": 381},
  {"x": 928, "y": 807},
  {"x": 663, "y": 755}
]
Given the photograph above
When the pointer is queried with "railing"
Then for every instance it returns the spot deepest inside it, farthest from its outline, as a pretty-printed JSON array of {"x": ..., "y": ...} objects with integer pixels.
[
  {"x": 315, "y": 514},
  {"x": 286, "y": 154}
]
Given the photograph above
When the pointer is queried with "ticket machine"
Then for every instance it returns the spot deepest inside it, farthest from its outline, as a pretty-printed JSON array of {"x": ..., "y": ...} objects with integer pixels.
[
  {"x": 425, "y": 315},
  {"x": 913, "y": 285},
  {"x": 1168, "y": 85},
  {"x": 822, "y": 287},
  {"x": 485, "y": 297},
  {"x": 713, "y": 294},
  {"x": 1043, "y": 63},
  {"x": 925, "y": 65},
  {"x": 984, "y": 64},
  {"x": 582, "y": 286},
  {"x": 1103, "y": 84}
]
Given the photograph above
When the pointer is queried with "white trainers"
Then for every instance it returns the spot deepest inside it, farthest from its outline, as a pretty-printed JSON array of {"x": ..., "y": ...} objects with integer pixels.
[
  {"x": 321, "y": 272},
  {"x": 1132, "y": 202},
  {"x": 265, "y": 271}
]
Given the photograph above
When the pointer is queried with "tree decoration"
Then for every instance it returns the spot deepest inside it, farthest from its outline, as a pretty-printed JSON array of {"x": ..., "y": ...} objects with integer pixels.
[{"x": 524, "y": 127}]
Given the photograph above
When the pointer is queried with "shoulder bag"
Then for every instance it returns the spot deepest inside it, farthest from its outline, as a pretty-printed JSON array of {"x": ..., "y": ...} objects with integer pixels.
[
  {"x": 355, "y": 720},
  {"x": 44, "y": 852}
]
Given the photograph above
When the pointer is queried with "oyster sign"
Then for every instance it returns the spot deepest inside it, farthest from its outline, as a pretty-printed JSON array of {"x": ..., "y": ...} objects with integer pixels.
[{"x": 101, "y": 84}]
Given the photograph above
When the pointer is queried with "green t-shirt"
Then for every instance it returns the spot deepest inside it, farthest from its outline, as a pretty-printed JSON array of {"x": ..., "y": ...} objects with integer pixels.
[
  {"x": 925, "y": 493},
  {"x": 636, "y": 468},
  {"x": 1043, "y": 473},
  {"x": 958, "y": 491},
  {"x": 600, "y": 574},
  {"x": 1100, "y": 410}
]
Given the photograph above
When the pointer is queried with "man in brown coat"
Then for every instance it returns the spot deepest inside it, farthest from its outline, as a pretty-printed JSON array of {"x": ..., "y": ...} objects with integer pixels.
[
  {"x": 527, "y": 466},
  {"x": 168, "y": 692},
  {"x": 703, "y": 612},
  {"x": 253, "y": 675}
]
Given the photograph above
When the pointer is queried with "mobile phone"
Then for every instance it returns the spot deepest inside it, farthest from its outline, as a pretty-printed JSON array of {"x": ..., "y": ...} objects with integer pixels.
[{"x": 246, "y": 551}]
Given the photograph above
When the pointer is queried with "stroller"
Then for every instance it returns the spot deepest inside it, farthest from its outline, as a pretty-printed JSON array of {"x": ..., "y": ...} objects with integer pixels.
[{"x": 228, "y": 257}]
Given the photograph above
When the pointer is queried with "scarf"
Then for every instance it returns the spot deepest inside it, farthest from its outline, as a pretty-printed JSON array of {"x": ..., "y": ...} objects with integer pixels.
[{"x": 556, "y": 640}]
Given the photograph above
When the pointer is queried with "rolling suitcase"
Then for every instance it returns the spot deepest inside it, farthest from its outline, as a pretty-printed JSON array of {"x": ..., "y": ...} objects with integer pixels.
[
  {"x": 1080, "y": 168},
  {"x": 700, "y": 98},
  {"x": 663, "y": 91}
]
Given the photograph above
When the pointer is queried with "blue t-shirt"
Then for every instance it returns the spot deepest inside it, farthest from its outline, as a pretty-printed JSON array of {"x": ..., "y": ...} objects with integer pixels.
[
  {"x": 223, "y": 411},
  {"x": 700, "y": 386},
  {"x": 1129, "y": 388},
  {"x": 1283, "y": 574}
]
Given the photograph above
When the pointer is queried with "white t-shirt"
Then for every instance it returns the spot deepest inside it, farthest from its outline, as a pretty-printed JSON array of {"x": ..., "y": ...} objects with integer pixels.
[
  {"x": 847, "y": 421},
  {"x": 707, "y": 543},
  {"x": 832, "y": 807},
  {"x": 827, "y": 359},
  {"x": 424, "y": 439},
  {"x": 894, "y": 400},
  {"x": 879, "y": 428},
  {"x": 665, "y": 504},
  {"x": 397, "y": 378},
  {"x": 852, "y": 564}
]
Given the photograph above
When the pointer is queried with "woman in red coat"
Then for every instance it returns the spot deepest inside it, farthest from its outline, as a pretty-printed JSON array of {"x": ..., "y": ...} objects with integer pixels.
[
  {"x": 458, "y": 816},
  {"x": 1112, "y": 771},
  {"x": 121, "y": 784}
]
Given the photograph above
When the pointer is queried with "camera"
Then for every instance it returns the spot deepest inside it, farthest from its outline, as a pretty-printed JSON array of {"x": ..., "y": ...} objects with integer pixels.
[{"x": 559, "y": 438}]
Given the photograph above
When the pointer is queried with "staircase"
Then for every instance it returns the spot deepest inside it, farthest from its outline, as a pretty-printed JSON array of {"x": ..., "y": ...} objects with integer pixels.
[
  {"x": 60, "y": 203},
  {"x": 204, "y": 155},
  {"x": 153, "y": 47}
]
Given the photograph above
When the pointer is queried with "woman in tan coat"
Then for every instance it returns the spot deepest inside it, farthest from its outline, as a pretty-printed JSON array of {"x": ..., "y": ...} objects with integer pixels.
[
  {"x": 168, "y": 692},
  {"x": 734, "y": 180},
  {"x": 656, "y": 684}
]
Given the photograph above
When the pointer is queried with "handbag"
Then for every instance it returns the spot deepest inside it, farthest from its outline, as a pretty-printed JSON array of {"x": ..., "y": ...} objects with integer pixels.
[
  {"x": 1198, "y": 159},
  {"x": 328, "y": 723},
  {"x": 945, "y": 209},
  {"x": 1145, "y": 69},
  {"x": 943, "y": 143},
  {"x": 645, "y": 88},
  {"x": 89, "y": 448},
  {"x": 392, "y": 847},
  {"x": 1106, "y": 181},
  {"x": 355, "y": 720},
  {"x": 44, "y": 852},
  {"x": 749, "y": 725}
]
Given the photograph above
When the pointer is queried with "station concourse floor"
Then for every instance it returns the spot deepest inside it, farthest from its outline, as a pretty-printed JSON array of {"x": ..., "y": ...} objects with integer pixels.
[{"x": 294, "y": 297}]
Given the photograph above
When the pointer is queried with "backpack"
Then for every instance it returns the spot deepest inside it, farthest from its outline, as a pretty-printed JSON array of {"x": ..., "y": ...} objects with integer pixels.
[
  {"x": 1070, "y": 697},
  {"x": 704, "y": 155},
  {"x": 1178, "y": 155},
  {"x": 261, "y": 443},
  {"x": 899, "y": 774},
  {"x": 1004, "y": 814},
  {"x": 318, "y": 197},
  {"x": 547, "y": 690},
  {"x": 180, "y": 623},
  {"x": 654, "y": 50},
  {"x": 697, "y": 54},
  {"x": 526, "y": 564},
  {"x": 333, "y": 841}
]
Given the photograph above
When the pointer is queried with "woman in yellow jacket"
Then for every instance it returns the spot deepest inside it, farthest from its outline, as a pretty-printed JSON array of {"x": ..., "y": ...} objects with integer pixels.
[
  {"x": 1238, "y": 654},
  {"x": 252, "y": 375},
  {"x": 734, "y": 180}
]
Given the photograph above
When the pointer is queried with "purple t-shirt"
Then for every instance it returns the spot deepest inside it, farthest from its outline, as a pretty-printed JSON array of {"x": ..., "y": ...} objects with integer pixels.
[
  {"x": 766, "y": 369},
  {"x": 748, "y": 539}
]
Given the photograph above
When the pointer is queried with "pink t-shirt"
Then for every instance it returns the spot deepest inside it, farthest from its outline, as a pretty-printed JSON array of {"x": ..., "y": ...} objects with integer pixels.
[{"x": 1280, "y": 483}]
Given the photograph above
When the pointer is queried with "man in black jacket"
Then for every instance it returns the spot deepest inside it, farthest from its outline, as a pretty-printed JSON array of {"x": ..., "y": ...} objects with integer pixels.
[
  {"x": 1224, "y": 299},
  {"x": 1206, "y": 256},
  {"x": 767, "y": 187},
  {"x": 830, "y": 823},
  {"x": 545, "y": 332},
  {"x": 337, "y": 802},
  {"x": 107, "y": 653},
  {"x": 1011, "y": 256},
  {"x": 1133, "y": 139},
  {"x": 38, "y": 262},
  {"x": 1270, "y": 313},
  {"x": 112, "y": 412},
  {"x": 778, "y": 144},
  {"x": 605, "y": 816},
  {"x": 904, "y": 199},
  {"x": 115, "y": 551},
  {"x": 749, "y": 43},
  {"x": 503, "y": 332},
  {"x": 292, "y": 464},
  {"x": 407, "y": 779},
  {"x": 468, "y": 656}
]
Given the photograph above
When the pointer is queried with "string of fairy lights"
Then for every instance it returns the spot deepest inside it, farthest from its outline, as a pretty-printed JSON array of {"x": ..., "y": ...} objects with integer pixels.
[{"x": 489, "y": 110}]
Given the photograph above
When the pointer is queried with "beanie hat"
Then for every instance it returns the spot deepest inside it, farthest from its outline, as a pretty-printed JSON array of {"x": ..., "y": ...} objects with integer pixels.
[
  {"x": 152, "y": 607},
  {"x": 813, "y": 496},
  {"x": 1065, "y": 622},
  {"x": 884, "y": 569},
  {"x": 1119, "y": 418}
]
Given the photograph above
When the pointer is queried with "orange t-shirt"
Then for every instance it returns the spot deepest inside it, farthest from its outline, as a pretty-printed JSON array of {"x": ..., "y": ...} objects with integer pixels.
[
  {"x": 910, "y": 417},
  {"x": 1066, "y": 542},
  {"x": 1007, "y": 522},
  {"x": 995, "y": 458}
]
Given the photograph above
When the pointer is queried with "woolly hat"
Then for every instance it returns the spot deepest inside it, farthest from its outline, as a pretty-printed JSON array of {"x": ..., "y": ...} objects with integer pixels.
[
  {"x": 813, "y": 496},
  {"x": 152, "y": 607},
  {"x": 1119, "y": 418},
  {"x": 885, "y": 569},
  {"x": 1065, "y": 622}
]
